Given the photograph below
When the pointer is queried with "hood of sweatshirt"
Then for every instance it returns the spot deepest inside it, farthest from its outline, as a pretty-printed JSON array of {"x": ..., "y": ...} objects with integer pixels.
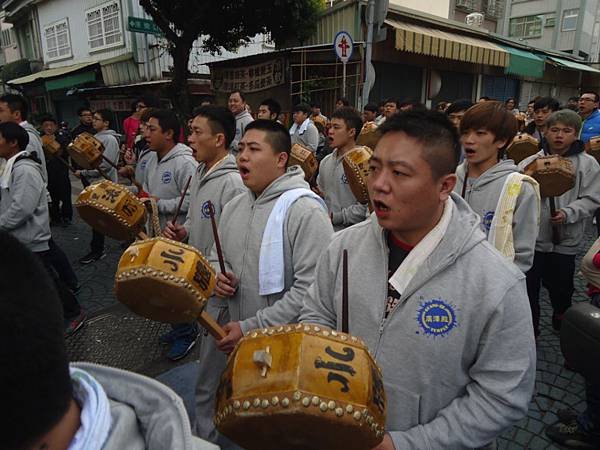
[
  {"x": 576, "y": 148},
  {"x": 500, "y": 170},
  {"x": 178, "y": 151},
  {"x": 244, "y": 115},
  {"x": 228, "y": 165},
  {"x": 293, "y": 178}
]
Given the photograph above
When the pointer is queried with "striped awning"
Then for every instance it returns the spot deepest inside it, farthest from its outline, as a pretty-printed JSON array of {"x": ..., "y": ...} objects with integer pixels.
[{"x": 442, "y": 44}]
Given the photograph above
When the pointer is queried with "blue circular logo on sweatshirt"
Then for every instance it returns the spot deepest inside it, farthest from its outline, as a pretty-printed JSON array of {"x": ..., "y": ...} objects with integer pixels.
[
  {"x": 206, "y": 209},
  {"x": 436, "y": 317},
  {"x": 486, "y": 220},
  {"x": 166, "y": 177}
]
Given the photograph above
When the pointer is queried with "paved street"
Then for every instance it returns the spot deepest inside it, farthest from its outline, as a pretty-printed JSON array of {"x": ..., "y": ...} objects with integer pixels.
[{"x": 115, "y": 337}]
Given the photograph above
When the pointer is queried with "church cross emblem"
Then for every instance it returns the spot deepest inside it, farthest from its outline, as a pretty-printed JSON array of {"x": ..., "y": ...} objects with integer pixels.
[{"x": 344, "y": 46}]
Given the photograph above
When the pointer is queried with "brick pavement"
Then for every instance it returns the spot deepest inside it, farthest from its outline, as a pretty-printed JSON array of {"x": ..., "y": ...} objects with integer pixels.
[{"x": 113, "y": 336}]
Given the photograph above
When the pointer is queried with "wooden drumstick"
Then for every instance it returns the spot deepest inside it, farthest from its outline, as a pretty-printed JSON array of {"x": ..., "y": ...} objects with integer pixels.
[
  {"x": 83, "y": 179},
  {"x": 556, "y": 238},
  {"x": 136, "y": 183},
  {"x": 211, "y": 212},
  {"x": 185, "y": 189},
  {"x": 345, "y": 291}
]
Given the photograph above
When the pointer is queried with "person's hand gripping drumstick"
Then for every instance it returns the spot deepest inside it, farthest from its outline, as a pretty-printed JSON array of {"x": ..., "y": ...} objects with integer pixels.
[{"x": 173, "y": 230}]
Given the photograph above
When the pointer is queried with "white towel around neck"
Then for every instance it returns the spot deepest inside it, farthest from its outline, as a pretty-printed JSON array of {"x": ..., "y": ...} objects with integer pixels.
[{"x": 303, "y": 127}]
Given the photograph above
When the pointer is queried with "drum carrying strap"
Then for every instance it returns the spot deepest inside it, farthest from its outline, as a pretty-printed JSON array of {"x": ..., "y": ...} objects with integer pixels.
[
  {"x": 153, "y": 221},
  {"x": 501, "y": 232}
]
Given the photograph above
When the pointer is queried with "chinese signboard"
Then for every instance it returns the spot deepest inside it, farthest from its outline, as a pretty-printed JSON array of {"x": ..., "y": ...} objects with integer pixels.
[
  {"x": 249, "y": 79},
  {"x": 139, "y": 25}
]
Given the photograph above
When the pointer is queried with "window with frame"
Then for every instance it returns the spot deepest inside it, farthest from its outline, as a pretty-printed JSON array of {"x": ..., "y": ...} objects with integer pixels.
[
  {"x": 526, "y": 27},
  {"x": 104, "y": 26},
  {"x": 550, "y": 21},
  {"x": 569, "y": 19},
  {"x": 58, "y": 42},
  {"x": 6, "y": 38}
]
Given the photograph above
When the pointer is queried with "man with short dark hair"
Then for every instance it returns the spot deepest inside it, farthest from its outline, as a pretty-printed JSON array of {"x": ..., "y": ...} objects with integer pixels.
[
  {"x": 390, "y": 107},
  {"x": 588, "y": 110},
  {"x": 370, "y": 112},
  {"x": 237, "y": 106},
  {"x": 317, "y": 116},
  {"x": 341, "y": 102},
  {"x": 272, "y": 236},
  {"x": 424, "y": 299},
  {"x": 332, "y": 182},
  {"x": 304, "y": 131},
  {"x": 81, "y": 406},
  {"x": 573, "y": 104},
  {"x": 102, "y": 122},
  {"x": 269, "y": 109},
  {"x": 85, "y": 122},
  {"x": 456, "y": 110},
  {"x": 542, "y": 108}
]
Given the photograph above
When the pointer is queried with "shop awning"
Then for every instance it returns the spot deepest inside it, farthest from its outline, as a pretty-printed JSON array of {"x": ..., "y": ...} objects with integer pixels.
[
  {"x": 50, "y": 73},
  {"x": 524, "y": 63},
  {"x": 433, "y": 42},
  {"x": 572, "y": 64}
]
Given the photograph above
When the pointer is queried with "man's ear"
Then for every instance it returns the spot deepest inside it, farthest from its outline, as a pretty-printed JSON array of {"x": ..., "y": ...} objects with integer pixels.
[
  {"x": 447, "y": 183},
  {"x": 282, "y": 159}
]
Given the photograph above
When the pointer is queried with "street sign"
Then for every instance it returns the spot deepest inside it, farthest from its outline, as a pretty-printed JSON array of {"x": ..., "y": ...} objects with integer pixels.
[
  {"x": 343, "y": 46},
  {"x": 139, "y": 25}
]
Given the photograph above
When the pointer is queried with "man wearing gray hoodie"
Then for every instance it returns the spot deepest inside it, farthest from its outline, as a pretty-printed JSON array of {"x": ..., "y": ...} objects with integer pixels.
[
  {"x": 215, "y": 183},
  {"x": 251, "y": 300},
  {"x": 82, "y": 406},
  {"x": 486, "y": 129},
  {"x": 444, "y": 315},
  {"x": 237, "y": 106},
  {"x": 102, "y": 122}
]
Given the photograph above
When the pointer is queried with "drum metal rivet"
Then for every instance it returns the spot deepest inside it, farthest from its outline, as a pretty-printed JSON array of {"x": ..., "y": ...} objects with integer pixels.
[
  {"x": 297, "y": 396},
  {"x": 246, "y": 405},
  {"x": 354, "y": 339},
  {"x": 316, "y": 400},
  {"x": 280, "y": 329},
  {"x": 344, "y": 337},
  {"x": 357, "y": 415},
  {"x": 369, "y": 420},
  {"x": 256, "y": 402},
  {"x": 339, "y": 412},
  {"x": 331, "y": 405},
  {"x": 317, "y": 329},
  {"x": 285, "y": 402},
  {"x": 298, "y": 326},
  {"x": 349, "y": 409},
  {"x": 254, "y": 334},
  {"x": 305, "y": 401},
  {"x": 334, "y": 333},
  {"x": 171, "y": 277},
  {"x": 288, "y": 329},
  {"x": 365, "y": 413},
  {"x": 265, "y": 403},
  {"x": 236, "y": 404},
  {"x": 323, "y": 406},
  {"x": 325, "y": 333},
  {"x": 264, "y": 331},
  {"x": 271, "y": 331},
  {"x": 275, "y": 401},
  {"x": 306, "y": 328}
]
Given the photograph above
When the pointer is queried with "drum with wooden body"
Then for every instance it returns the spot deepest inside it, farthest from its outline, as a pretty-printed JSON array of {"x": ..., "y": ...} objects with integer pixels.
[
  {"x": 303, "y": 157},
  {"x": 164, "y": 280},
  {"x": 86, "y": 151},
  {"x": 356, "y": 169},
  {"x": 298, "y": 387},
  {"x": 593, "y": 147},
  {"x": 522, "y": 146},
  {"x": 554, "y": 173},
  {"x": 369, "y": 135},
  {"x": 50, "y": 145},
  {"x": 112, "y": 210}
]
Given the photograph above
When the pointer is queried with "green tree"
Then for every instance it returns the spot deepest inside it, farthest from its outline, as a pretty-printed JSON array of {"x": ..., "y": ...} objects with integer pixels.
[{"x": 226, "y": 24}]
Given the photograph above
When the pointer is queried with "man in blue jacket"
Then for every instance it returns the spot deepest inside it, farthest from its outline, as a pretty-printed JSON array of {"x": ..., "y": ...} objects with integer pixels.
[{"x": 588, "y": 110}]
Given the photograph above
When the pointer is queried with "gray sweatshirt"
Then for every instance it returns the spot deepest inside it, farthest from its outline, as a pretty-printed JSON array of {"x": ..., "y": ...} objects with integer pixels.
[
  {"x": 166, "y": 180},
  {"x": 309, "y": 138},
  {"x": 24, "y": 206},
  {"x": 578, "y": 204},
  {"x": 241, "y": 121},
  {"x": 218, "y": 187},
  {"x": 35, "y": 145},
  {"x": 338, "y": 197},
  {"x": 110, "y": 141},
  {"x": 145, "y": 413},
  {"x": 450, "y": 384},
  {"x": 482, "y": 195},
  {"x": 307, "y": 231}
]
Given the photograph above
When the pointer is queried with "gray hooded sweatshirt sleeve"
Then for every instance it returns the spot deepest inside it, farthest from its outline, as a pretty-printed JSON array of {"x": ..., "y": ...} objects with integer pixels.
[
  {"x": 483, "y": 195},
  {"x": 110, "y": 141},
  {"x": 307, "y": 231},
  {"x": 35, "y": 145},
  {"x": 450, "y": 384},
  {"x": 241, "y": 122},
  {"x": 340, "y": 200}
]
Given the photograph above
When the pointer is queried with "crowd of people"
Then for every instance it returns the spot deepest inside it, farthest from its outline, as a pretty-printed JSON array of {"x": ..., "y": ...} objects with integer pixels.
[{"x": 445, "y": 264}]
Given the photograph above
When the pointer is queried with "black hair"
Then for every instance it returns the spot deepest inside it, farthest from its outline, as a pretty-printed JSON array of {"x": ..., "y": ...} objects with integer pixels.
[
  {"x": 47, "y": 118},
  {"x": 458, "y": 106},
  {"x": 371, "y": 107},
  {"x": 484, "y": 97},
  {"x": 596, "y": 97},
  {"x": 439, "y": 139},
  {"x": 315, "y": 105},
  {"x": 273, "y": 105},
  {"x": 13, "y": 132},
  {"x": 167, "y": 120},
  {"x": 392, "y": 100},
  {"x": 574, "y": 99},
  {"x": 82, "y": 109},
  {"x": 343, "y": 100},
  {"x": 549, "y": 102},
  {"x": 35, "y": 384},
  {"x": 303, "y": 107},
  {"x": 351, "y": 118},
  {"x": 107, "y": 116},
  {"x": 277, "y": 135},
  {"x": 220, "y": 120},
  {"x": 16, "y": 102},
  {"x": 242, "y": 96},
  {"x": 151, "y": 101}
]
